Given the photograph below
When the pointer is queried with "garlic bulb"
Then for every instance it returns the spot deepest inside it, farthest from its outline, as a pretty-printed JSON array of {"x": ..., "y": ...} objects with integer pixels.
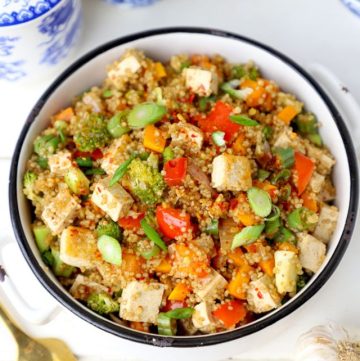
[{"x": 327, "y": 343}]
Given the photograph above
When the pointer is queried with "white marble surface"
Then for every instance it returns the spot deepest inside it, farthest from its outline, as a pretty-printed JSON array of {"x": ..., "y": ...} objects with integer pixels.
[{"x": 308, "y": 31}]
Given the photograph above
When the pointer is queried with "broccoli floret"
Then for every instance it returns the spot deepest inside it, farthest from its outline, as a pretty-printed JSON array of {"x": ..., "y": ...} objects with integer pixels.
[
  {"x": 109, "y": 228},
  {"x": 45, "y": 145},
  {"x": 102, "y": 303},
  {"x": 29, "y": 184},
  {"x": 146, "y": 183},
  {"x": 92, "y": 133}
]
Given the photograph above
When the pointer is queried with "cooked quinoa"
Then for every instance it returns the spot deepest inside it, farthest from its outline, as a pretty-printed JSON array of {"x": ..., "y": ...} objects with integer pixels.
[{"x": 185, "y": 197}]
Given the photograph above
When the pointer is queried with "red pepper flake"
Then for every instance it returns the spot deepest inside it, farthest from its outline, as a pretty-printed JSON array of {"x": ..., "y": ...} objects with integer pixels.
[
  {"x": 96, "y": 154},
  {"x": 260, "y": 295},
  {"x": 233, "y": 203}
]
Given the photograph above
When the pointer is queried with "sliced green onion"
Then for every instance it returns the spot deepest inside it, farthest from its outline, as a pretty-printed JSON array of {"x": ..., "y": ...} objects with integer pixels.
[
  {"x": 247, "y": 235},
  {"x": 302, "y": 281},
  {"x": 43, "y": 162},
  {"x": 218, "y": 138},
  {"x": 166, "y": 326},
  {"x": 306, "y": 123},
  {"x": 285, "y": 192},
  {"x": 180, "y": 313},
  {"x": 212, "y": 228},
  {"x": 275, "y": 214},
  {"x": 285, "y": 235},
  {"x": 149, "y": 252},
  {"x": 284, "y": 174},
  {"x": 168, "y": 154},
  {"x": 143, "y": 155},
  {"x": 110, "y": 249},
  {"x": 121, "y": 170},
  {"x": 116, "y": 125},
  {"x": 62, "y": 136},
  {"x": 315, "y": 138},
  {"x": 262, "y": 174},
  {"x": 204, "y": 103},
  {"x": 230, "y": 88},
  {"x": 267, "y": 132},
  {"x": 77, "y": 181},
  {"x": 144, "y": 114},
  {"x": 85, "y": 162},
  {"x": 94, "y": 171},
  {"x": 152, "y": 234},
  {"x": 259, "y": 201},
  {"x": 302, "y": 219},
  {"x": 243, "y": 120},
  {"x": 272, "y": 228},
  {"x": 48, "y": 258},
  {"x": 107, "y": 93},
  {"x": 46, "y": 144},
  {"x": 286, "y": 156},
  {"x": 42, "y": 236}
]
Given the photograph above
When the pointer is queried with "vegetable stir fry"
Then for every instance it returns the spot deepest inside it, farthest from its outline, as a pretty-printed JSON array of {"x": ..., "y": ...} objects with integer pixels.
[{"x": 182, "y": 198}]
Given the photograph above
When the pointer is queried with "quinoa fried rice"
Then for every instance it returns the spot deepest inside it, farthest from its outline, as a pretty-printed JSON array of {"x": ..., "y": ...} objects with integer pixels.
[{"x": 184, "y": 197}]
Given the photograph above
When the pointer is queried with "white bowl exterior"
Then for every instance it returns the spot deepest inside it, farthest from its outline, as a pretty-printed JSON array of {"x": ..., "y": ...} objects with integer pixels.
[{"x": 162, "y": 47}]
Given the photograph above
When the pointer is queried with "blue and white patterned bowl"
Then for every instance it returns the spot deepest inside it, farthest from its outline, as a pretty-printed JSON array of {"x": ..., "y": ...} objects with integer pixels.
[
  {"x": 36, "y": 36},
  {"x": 353, "y": 5},
  {"x": 131, "y": 3}
]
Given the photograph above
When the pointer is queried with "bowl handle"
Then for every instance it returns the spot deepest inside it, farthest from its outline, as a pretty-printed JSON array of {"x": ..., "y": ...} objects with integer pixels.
[
  {"x": 341, "y": 96},
  {"x": 13, "y": 297}
]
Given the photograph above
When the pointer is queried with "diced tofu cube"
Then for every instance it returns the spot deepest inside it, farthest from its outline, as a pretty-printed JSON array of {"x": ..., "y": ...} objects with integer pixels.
[
  {"x": 231, "y": 173},
  {"x": 187, "y": 136},
  {"x": 327, "y": 223},
  {"x": 140, "y": 301},
  {"x": 60, "y": 163},
  {"x": 287, "y": 267},
  {"x": 317, "y": 181},
  {"x": 115, "y": 154},
  {"x": 82, "y": 287},
  {"x": 114, "y": 201},
  {"x": 201, "y": 82},
  {"x": 129, "y": 65},
  {"x": 78, "y": 247},
  {"x": 283, "y": 140},
  {"x": 209, "y": 287},
  {"x": 324, "y": 159},
  {"x": 202, "y": 318},
  {"x": 262, "y": 295},
  {"x": 60, "y": 212},
  {"x": 312, "y": 252}
]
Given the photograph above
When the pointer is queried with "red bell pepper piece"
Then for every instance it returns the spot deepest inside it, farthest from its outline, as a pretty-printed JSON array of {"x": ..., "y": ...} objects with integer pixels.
[
  {"x": 219, "y": 119},
  {"x": 175, "y": 171},
  {"x": 304, "y": 167},
  {"x": 230, "y": 313},
  {"x": 172, "y": 222},
  {"x": 131, "y": 222}
]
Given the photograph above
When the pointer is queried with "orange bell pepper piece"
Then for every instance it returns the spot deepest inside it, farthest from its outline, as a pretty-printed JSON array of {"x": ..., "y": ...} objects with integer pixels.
[
  {"x": 309, "y": 202},
  {"x": 267, "y": 266},
  {"x": 180, "y": 292},
  {"x": 236, "y": 286},
  {"x": 287, "y": 114},
  {"x": 304, "y": 167},
  {"x": 65, "y": 114},
  {"x": 153, "y": 139},
  {"x": 164, "y": 266},
  {"x": 230, "y": 313},
  {"x": 159, "y": 70}
]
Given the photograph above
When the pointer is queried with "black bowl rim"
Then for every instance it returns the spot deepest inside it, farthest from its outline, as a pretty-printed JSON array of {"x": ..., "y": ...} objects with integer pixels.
[{"x": 188, "y": 341}]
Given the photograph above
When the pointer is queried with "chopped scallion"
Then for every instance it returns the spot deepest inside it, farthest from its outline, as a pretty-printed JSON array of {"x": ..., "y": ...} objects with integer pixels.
[
  {"x": 284, "y": 174},
  {"x": 168, "y": 154},
  {"x": 218, "y": 138},
  {"x": 302, "y": 219},
  {"x": 213, "y": 228},
  {"x": 262, "y": 174},
  {"x": 286, "y": 156},
  {"x": 166, "y": 326},
  {"x": 121, "y": 170},
  {"x": 110, "y": 249},
  {"x": 275, "y": 214},
  {"x": 144, "y": 114},
  {"x": 85, "y": 162},
  {"x": 117, "y": 125},
  {"x": 180, "y": 313},
  {"x": 259, "y": 201},
  {"x": 243, "y": 120},
  {"x": 247, "y": 235},
  {"x": 152, "y": 234},
  {"x": 285, "y": 235}
]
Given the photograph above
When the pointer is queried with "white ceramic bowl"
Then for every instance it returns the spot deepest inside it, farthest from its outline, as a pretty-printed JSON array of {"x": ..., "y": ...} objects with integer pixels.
[{"x": 161, "y": 44}]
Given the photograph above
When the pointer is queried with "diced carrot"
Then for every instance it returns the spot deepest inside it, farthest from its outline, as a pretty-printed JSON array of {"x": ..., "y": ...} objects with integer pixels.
[
  {"x": 164, "y": 266},
  {"x": 309, "y": 202},
  {"x": 267, "y": 266},
  {"x": 238, "y": 146},
  {"x": 304, "y": 167},
  {"x": 65, "y": 114},
  {"x": 237, "y": 257},
  {"x": 201, "y": 60},
  {"x": 131, "y": 264},
  {"x": 230, "y": 313},
  {"x": 153, "y": 139},
  {"x": 180, "y": 292},
  {"x": 260, "y": 97},
  {"x": 288, "y": 114},
  {"x": 287, "y": 246},
  {"x": 159, "y": 70},
  {"x": 139, "y": 326},
  {"x": 236, "y": 286}
]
